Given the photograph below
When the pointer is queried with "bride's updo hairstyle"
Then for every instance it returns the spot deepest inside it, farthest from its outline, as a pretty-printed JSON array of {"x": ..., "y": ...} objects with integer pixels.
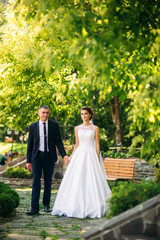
[{"x": 89, "y": 110}]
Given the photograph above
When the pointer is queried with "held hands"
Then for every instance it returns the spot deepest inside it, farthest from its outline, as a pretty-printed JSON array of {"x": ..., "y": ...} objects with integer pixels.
[{"x": 66, "y": 159}]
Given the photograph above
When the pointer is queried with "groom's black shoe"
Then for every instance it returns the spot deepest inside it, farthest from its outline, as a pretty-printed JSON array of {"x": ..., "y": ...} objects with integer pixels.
[
  {"x": 33, "y": 212},
  {"x": 46, "y": 208}
]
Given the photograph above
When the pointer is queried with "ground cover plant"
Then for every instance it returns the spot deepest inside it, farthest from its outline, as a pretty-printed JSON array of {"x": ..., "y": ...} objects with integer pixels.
[
  {"x": 9, "y": 200},
  {"x": 124, "y": 153},
  {"x": 126, "y": 195},
  {"x": 17, "y": 172}
]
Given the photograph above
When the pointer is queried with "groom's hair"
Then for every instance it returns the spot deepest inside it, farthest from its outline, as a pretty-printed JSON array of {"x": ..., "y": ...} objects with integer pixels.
[{"x": 44, "y": 106}]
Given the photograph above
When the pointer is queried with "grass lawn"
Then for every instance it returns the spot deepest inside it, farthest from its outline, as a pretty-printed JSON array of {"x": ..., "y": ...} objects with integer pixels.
[{"x": 17, "y": 147}]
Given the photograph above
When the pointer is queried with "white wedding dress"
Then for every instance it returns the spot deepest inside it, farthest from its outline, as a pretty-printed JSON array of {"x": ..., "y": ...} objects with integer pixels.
[{"x": 84, "y": 190}]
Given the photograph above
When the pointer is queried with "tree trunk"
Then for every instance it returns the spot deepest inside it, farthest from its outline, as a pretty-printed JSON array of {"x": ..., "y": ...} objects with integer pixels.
[{"x": 115, "y": 110}]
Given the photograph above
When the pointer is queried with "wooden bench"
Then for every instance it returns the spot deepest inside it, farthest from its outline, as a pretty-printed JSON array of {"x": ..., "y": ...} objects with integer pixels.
[{"x": 119, "y": 168}]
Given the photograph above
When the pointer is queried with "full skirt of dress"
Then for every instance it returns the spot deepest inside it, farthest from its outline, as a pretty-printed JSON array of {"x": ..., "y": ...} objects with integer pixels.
[{"x": 84, "y": 190}]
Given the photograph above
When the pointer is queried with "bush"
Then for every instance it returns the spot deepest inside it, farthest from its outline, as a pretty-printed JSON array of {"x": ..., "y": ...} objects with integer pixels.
[
  {"x": 17, "y": 172},
  {"x": 127, "y": 195},
  {"x": 157, "y": 178},
  {"x": 115, "y": 154},
  {"x": 118, "y": 182},
  {"x": 9, "y": 200},
  {"x": 14, "y": 194},
  {"x": 104, "y": 143}
]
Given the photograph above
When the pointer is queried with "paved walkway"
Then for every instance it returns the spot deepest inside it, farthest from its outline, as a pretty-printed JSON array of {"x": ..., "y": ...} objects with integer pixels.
[{"x": 44, "y": 226}]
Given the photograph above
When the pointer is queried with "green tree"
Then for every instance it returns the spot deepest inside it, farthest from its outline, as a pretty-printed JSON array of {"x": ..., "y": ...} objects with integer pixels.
[
  {"x": 108, "y": 40},
  {"x": 78, "y": 51}
]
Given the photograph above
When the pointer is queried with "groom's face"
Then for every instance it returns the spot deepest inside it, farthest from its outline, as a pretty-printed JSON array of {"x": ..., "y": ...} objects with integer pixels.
[{"x": 43, "y": 114}]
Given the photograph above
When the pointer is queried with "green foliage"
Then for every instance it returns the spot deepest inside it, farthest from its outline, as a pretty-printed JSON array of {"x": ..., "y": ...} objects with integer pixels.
[
  {"x": 17, "y": 172},
  {"x": 9, "y": 200},
  {"x": 127, "y": 195},
  {"x": 54, "y": 237},
  {"x": 118, "y": 182},
  {"x": 75, "y": 227},
  {"x": 154, "y": 158},
  {"x": 44, "y": 234},
  {"x": 115, "y": 154},
  {"x": 3, "y": 186},
  {"x": 103, "y": 143},
  {"x": 145, "y": 115},
  {"x": 56, "y": 225},
  {"x": 121, "y": 154},
  {"x": 72, "y": 53},
  {"x": 157, "y": 178}
]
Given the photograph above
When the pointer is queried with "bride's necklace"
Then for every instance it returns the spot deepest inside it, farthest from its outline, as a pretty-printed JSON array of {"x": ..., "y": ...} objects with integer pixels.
[{"x": 86, "y": 125}]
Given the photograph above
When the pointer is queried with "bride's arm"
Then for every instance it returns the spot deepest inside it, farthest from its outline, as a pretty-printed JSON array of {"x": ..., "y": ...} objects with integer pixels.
[
  {"x": 76, "y": 142},
  {"x": 97, "y": 141}
]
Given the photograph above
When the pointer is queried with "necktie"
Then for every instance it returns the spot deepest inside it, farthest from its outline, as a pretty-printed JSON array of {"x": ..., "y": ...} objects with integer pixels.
[{"x": 45, "y": 138}]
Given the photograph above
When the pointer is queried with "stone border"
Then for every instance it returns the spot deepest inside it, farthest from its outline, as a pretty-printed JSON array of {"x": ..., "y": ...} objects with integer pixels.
[
  {"x": 26, "y": 182},
  {"x": 142, "y": 219},
  {"x": 143, "y": 170}
]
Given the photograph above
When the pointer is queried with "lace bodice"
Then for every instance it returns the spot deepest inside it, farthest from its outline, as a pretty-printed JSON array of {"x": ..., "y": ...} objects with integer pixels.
[{"x": 86, "y": 135}]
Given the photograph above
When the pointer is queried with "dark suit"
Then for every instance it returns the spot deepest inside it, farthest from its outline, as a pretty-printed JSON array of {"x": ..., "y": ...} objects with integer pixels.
[{"x": 41, "y": 161}]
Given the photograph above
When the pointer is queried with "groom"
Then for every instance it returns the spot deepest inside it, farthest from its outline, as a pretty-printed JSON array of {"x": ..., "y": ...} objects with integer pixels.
[{"x": 44, "y": 136}]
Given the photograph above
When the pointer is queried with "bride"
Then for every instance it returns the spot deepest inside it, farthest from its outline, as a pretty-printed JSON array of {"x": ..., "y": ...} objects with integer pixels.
[{"x": 84, "y": 190}]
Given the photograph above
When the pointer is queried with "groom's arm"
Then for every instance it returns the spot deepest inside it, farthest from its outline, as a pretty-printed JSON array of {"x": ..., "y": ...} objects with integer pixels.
[
  {"x": 59, "y": 142},
  {"x": 29, "y": 149}
]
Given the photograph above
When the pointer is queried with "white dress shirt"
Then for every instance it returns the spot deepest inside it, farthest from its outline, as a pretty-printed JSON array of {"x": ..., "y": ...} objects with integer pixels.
[{"x": 41, "y": 135}]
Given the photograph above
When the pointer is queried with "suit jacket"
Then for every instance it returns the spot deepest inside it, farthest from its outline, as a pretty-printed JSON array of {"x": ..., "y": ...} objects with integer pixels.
[{"x": 54, "y": 139}]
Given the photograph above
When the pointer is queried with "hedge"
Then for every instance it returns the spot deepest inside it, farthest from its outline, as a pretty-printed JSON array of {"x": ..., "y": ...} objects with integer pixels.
[
  {"x": 9, "y": 200},
  {"x": 128, "y": 194}
]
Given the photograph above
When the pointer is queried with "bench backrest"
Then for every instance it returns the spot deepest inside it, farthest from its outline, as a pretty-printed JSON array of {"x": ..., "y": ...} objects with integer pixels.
[{"x": 119, "y": 168}]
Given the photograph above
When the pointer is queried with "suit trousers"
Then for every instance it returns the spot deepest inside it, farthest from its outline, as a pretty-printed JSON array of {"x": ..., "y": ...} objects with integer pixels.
[{"x": 41, "y": 163}]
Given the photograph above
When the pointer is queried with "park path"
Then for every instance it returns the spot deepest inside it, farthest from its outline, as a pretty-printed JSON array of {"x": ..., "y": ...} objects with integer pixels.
[{"x": 43, "y": 226}]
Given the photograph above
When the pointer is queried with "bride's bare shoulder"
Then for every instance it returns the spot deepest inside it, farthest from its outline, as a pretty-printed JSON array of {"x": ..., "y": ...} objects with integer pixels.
[
  {"x": 76, "y": 127},
  {"x": 96, "y": 127}
]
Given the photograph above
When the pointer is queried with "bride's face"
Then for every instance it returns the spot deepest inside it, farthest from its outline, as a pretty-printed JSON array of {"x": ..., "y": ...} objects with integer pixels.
[{"x": 85, "y": 115}]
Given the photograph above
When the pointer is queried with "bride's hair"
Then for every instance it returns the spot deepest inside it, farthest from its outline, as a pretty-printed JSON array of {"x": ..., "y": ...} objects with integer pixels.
[{"x": 88, "y": 109}]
